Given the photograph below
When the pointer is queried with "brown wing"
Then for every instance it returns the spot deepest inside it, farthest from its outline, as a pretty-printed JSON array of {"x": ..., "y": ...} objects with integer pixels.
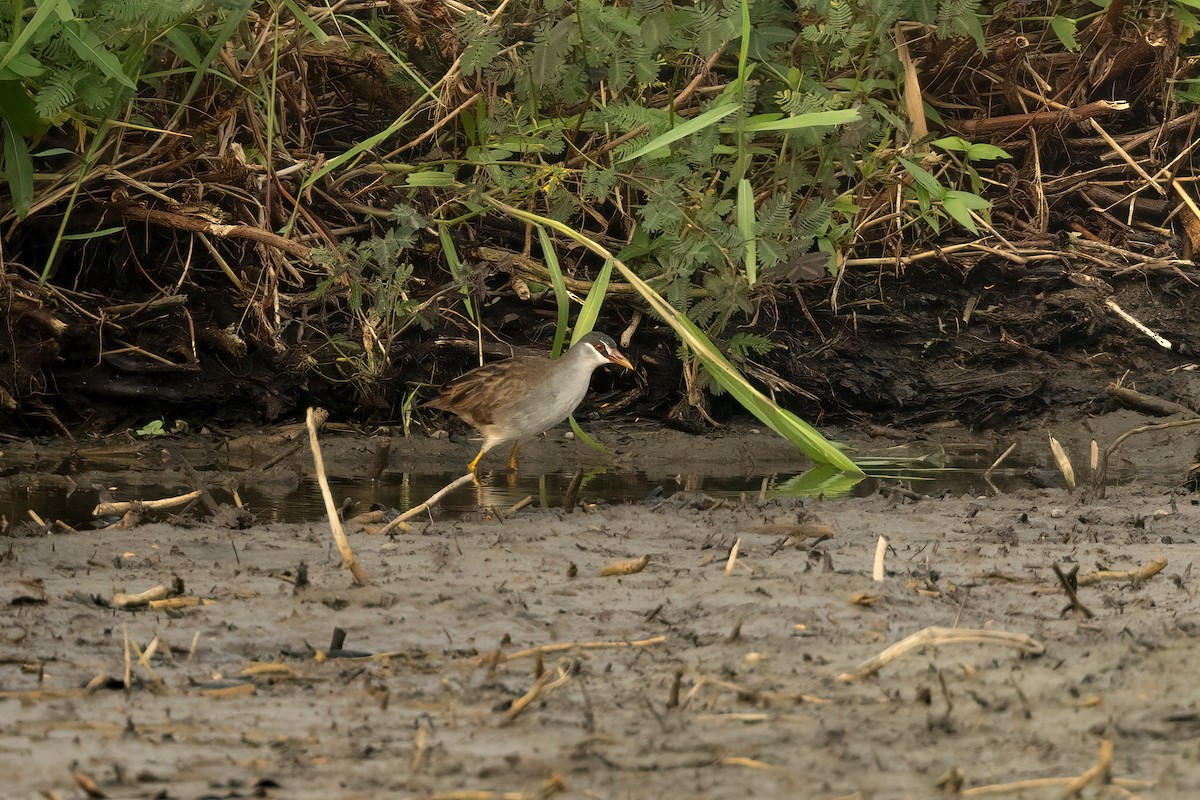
[{"x": 478, "y": 394}]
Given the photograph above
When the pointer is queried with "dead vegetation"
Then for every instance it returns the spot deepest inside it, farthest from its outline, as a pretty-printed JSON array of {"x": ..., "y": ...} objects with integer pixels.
[{"x": 302, "y": 229}]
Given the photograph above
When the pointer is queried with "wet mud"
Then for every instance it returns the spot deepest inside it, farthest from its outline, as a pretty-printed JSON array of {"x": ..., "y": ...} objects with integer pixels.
[{"x": 489, "y": 657}]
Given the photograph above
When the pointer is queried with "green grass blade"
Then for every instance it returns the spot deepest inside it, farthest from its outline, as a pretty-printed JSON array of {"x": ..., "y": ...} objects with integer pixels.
[
  {"x": 87, "y": 46},
  {"x": 710, "y": 117},
  {"x": 310, "y": 25},
  {"x": 60, "y": 7},
  {"x": 19, "y": 168},
  {"x": 592, "y": 303},
  {"x": 745, "y": 223},
  {"x": 456, "y": 269},
  {"x": 583, "y": 437},
  {"x": 813, "y": 119},
  {"x": 561, "y": 298}
]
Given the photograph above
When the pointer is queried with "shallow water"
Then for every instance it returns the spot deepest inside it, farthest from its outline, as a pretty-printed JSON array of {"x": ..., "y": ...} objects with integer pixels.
[{"x": 499, "y": 490}]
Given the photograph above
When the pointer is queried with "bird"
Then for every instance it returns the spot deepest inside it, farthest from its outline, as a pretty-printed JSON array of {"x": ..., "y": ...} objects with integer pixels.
[{"x": 511, "y": 400}]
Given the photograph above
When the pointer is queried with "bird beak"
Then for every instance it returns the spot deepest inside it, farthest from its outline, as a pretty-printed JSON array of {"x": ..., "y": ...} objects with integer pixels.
[{"x": 617, "y": 358}]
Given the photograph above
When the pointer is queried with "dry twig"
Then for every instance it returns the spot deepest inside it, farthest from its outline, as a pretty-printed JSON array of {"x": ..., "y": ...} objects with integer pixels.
[
  {"x": 933, "y": 637},
  {"x": 335, "y": 523}
]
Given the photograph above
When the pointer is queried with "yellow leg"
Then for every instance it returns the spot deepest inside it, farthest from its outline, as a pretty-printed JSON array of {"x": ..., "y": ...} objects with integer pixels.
[
  {"x": 475, "y": 462},
  {"x": 512, "y": 457}
]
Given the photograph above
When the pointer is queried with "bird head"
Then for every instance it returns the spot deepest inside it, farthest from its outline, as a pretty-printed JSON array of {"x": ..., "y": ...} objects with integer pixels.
[{"x": 602, "y": 349}]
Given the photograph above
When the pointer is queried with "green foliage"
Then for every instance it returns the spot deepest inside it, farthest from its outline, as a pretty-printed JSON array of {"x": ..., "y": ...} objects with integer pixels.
[
  {"x": 69, "y": 62},
  {"x": 372, "y": 277},
  {"x": 154, "y": 427},
  {"x": 691, "y": 178}
]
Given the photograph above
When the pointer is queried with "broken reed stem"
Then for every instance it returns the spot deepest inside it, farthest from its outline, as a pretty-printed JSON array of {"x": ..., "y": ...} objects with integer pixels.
[
  {"x": 1157, "y": 338},
  {"x": 1072, "y": 786},
  {"x": 104, "y": 509},
  {"x": 546, "y": 683},
  {"x": 996, "y": 464},
  {"x": 122, "y": 600},
  {"x": 433, "y": 500},
  {"x": 497, "y": 657},
  {"x": 732, "y": 560},
  {"x": 877, "y": 572},
  {"x": 932, "y": 637},
  {"x": 1142, "y": 573},
  {"x": 335, "y": 524},
  {"x": 1102, "y": 472}
]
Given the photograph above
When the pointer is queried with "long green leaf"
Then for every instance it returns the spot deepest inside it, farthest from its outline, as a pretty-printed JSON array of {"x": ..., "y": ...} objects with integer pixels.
[
  {"x": 100, "y": 234},
  {"x": 592, "y": 303},
  {"x": 813, "y": 119},
  {"x": 561, "y": 298},
  {"x": 19, "y": 168},
  {"x": 456, "y": 269},
  {"x": 87, "y": 45},
  {"x": 45, "y": 10},
  {"x": 783, "y": 422},
  {"x": 310, "y": 25},
  {"x": 582, "y": 436},
  {"x": 745, "y": 223},
  {"x": 710, "y": 117}
]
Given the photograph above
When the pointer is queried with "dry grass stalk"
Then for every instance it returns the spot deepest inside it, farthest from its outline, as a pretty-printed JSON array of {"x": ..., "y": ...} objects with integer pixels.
[
  {"x": 274, "y": 671},
  {"x": 996, "y": 464},
  {"x": 520, "y": 504},
  {"x": 742, "y": 761},
  {"x": 420, "y": 745},
  {"x": 1071, "y": 786},
  {"x": 335, "y": 524},
  {"x": 559, "y": 647},
  {"x": 733, "y": 554},
  {"x": 933, "y": 637},
  {"x": 914, "y": 104},
  {"x": 736, "y": 717},
  {"x": 548, "y": 682},
  {"x": 433, "y": 500},
  {"x": 1064, "y": 463},
  {"x": 1102, "y": 472},
  {"x": 122, "y": 600},
  {"x": 87, "y": 784},
  {"x": 629, "y": 567},
  {"x": 1142, "y": 573},
  {"x": 104, "y": 509},
  {"x": 1102, "y": 771},
  {"x": 1158, "y": 339},
  {"x": 181, "y": 602},
  {"x": 877, "y": 572},
  {"x": 230, "y": 692}
]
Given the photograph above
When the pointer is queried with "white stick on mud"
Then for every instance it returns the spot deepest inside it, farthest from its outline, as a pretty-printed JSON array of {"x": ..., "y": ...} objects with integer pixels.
[
  {"x": 1125, "y": 315},
  {"x": 335, "y": 524},
  {"x": 932, "y": 637},
  {"x": 880, "y": 551},
  {"x": 428, "y": 504}
]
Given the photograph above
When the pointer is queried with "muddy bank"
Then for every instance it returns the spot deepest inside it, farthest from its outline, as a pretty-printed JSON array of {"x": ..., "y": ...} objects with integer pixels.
[{"x": 733, "y": 691}]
